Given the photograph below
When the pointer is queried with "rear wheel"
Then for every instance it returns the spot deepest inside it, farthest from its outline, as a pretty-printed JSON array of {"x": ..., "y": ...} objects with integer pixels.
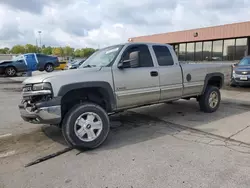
[
  {"x": 10, "y": 71},
  {"x": 49, "y": 67},
  {"x": 210, "y": 101},
  {"x": 86, "y": 126}
]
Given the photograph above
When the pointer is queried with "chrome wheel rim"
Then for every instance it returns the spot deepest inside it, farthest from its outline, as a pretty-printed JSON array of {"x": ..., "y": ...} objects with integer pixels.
[
  {"x": 88, "y": 126},
  {"x": 213, "y": 99},
  {"x": 49, "y": 68},
  {"x": 11, "y": 71}
]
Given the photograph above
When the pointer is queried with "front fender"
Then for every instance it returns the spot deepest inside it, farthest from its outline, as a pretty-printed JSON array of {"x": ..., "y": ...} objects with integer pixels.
[{"x": 95, "y": 84}]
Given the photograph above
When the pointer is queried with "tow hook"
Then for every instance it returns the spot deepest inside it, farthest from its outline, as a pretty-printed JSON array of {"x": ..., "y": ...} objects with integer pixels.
[{"x": 29, "y": 107}]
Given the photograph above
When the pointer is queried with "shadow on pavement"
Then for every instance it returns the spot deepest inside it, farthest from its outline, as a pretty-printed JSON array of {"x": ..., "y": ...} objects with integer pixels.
[{"x": 144, "y": 124}]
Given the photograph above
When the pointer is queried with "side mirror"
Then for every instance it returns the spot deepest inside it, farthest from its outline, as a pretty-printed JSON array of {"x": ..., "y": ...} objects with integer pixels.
[{"x": 132, "y": 62}]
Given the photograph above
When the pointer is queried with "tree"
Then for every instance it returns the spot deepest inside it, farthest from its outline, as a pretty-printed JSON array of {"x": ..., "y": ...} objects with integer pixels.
[
  {"x": 77, "y": 53},
  {"x": 57, "y": 51},
  {"x": 18, "y": 49},
  {"x": 68, "y": 51},
  {"x": 88, "y": 52},
  {"x": 4, "y": 50},
  {"x": 29, "y": 48},
  {"x": 47, "y": 50}
]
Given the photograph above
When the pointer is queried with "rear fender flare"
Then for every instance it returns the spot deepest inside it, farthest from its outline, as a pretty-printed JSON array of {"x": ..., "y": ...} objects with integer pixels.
[{"x": 209, "y": 76}]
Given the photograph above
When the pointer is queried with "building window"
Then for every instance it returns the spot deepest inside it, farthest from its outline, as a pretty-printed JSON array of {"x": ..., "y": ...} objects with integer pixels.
[
  {"x": 207, "y": 49},
  {"x": 190, "y": 52},
  {"x": 176, "y": 49},
  {"x": 229, "y": 50},
  {"x": 217, "y": 50},
  {"x": 198, "y": 51},
  {"x": 182, "y": 52},
  {"x": 241, "y": 48}
]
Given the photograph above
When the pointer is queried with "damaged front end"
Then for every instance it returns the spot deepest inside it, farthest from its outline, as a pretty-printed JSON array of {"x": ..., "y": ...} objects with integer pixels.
[{"x": 38, "y": 104}]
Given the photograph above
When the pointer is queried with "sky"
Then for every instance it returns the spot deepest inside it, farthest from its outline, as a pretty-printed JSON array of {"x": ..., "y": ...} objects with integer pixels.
[{"x": 99, "y": 23}]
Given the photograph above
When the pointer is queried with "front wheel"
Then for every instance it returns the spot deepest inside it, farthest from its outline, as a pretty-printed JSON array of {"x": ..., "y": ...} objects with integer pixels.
[
  {"x": 210, "y": 101},
  {"x": 86, "y": 126}
]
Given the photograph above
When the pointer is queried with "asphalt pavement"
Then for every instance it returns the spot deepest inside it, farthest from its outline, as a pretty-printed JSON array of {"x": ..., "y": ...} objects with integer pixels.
[{"x": 165, "y": 145}]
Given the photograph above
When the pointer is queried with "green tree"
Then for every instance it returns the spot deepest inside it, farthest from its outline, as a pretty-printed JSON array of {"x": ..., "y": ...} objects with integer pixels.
[
  {"x": 4, "y": 50},
  {"x": 57, "y": 51},
  {"x": 68, "y": 51},
  {"x": 18, "y": 49},
  {"x": 47, "y": 50},
  {"x": 77, "y": 53},
  {"x": 88, "y": 52},
  {"x": 29, "y": 48}
]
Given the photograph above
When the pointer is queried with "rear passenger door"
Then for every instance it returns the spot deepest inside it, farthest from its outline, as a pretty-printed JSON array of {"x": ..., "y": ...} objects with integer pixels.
[
  {"x": 170, "y": 74},
  {"x": 139, "y": 85}
]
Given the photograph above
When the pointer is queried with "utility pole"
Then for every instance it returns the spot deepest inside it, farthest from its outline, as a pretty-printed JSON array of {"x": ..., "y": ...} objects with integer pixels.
[{"x": 39, "y": 32}]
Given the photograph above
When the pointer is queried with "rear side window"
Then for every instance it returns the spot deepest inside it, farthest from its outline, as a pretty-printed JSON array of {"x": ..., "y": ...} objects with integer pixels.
[{"x": 163, "y": 56}]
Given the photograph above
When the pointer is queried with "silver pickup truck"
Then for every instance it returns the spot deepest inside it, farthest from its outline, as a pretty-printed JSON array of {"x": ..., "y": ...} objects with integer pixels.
[{"x": 114, "y": 79}]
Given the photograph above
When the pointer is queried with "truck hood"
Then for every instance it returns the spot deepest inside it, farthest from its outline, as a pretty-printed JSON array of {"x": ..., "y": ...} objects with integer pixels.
[
  {"x": 242, "y": 68},
  {"x": 5, "y": 61},
  {"x": 65, "y": 73}
]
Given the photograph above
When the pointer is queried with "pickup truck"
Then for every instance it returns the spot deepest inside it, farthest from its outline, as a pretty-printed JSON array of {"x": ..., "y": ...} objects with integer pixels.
[
  {"x": 114, "y": 79},
  {"x": 28, "y": 62}
]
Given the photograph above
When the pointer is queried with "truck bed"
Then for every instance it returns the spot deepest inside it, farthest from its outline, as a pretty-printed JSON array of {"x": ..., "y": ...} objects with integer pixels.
[{"x": 194, "y": 75}]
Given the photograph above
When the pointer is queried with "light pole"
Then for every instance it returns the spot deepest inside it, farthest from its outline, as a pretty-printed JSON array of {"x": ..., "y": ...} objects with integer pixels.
[{"x": 39, "y": 32}]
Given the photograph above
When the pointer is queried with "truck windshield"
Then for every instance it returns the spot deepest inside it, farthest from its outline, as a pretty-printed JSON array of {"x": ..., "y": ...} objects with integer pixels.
[
  {"x": 16, "y": 58},
  {"x": 103, "y": 57},
  {"x": 245, "y": 61}
]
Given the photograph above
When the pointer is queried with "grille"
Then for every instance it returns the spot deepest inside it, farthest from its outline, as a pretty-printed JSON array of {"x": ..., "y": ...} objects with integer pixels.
[{"x": 242, "y": 72}]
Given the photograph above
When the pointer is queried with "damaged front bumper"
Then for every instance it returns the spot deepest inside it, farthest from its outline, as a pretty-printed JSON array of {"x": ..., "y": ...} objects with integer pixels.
[{"x": 40, "y": 108}]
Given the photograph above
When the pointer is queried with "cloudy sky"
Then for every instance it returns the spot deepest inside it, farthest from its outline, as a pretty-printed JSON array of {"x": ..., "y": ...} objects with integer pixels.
[{"x": 93, "y": 23}]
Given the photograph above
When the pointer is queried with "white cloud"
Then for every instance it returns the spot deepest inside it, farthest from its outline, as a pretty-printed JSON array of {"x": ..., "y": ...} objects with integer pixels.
[{"x": 97, "y": 23}]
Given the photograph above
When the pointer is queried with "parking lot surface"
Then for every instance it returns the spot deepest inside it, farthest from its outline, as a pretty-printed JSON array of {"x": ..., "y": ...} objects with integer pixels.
[{"x": 165, "y": 145}]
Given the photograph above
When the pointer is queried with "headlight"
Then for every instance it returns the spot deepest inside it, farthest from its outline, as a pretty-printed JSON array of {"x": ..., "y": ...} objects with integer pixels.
[
  {"x": 41, "y": 86},
  {"x": 233, "y": 71}
]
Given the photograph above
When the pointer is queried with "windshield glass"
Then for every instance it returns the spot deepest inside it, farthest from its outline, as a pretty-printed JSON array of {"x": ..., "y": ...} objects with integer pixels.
[
  {"x": 103, "y": 57},
  {"x": 19, "y": 57},
  {"x": 245, "y": 62}
]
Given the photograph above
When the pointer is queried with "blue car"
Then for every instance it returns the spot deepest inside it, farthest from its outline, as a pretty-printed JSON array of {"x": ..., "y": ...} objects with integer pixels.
[
  {"x": 241, "y": 72},
  {"x": 28, "y": 62}
]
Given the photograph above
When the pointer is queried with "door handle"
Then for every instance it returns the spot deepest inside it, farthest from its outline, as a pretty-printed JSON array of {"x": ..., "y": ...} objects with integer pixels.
[{"x": 154, "y": 73}]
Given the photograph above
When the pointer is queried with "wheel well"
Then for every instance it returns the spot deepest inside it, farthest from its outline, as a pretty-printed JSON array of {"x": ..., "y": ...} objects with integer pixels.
[
  {"x": 49, "y": 63},
  {"x": 215, "y": 81},
  {"x": 96, "y": 95},
  {"x": 9, "y": 67}
]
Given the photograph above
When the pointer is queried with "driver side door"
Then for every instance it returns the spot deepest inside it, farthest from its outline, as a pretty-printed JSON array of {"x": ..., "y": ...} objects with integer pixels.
[{"x": 138, "y": 85}]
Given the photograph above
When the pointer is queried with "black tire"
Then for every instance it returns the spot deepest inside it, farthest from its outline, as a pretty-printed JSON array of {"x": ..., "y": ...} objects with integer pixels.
[
  {"x": 49, "y": 67},
  {"x": 10, "y": 71},
  {"x": 69, "y": 122},
  {"x": 204, "y": 100}
]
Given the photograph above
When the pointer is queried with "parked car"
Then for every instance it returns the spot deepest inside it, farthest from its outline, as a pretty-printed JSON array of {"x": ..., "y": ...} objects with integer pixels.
[
  {"x": 114, "y": 79},
  {"x": 62, "y": 65},
  {"x": 28, "y": 62},
  {"x": 241, "y": 72},
  {"x": 75, "y": 64}
]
